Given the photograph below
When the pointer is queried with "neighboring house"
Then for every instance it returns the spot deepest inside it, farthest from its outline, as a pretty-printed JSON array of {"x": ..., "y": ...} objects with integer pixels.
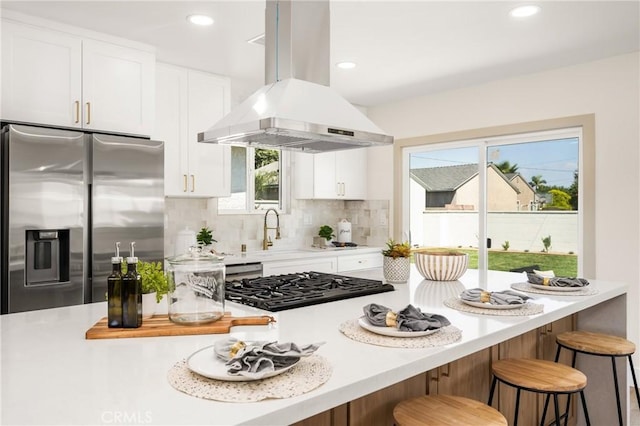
[
  {"x": 527, "y": 195},
  {"x": 457, "y": 188}
]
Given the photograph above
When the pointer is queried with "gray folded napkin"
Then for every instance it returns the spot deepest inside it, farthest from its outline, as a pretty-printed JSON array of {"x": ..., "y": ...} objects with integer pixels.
[
  {"x": 408, "y": 319},
  {"x": 557, "y": 281},
  {"x": 256, "y": 359},
  {"x": 505, "y": 297}
]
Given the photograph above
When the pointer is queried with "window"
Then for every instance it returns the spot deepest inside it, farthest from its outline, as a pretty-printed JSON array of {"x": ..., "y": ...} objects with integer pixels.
[
  {"x": 520, "y": 193},
  {"x": 258, "y": 180}
]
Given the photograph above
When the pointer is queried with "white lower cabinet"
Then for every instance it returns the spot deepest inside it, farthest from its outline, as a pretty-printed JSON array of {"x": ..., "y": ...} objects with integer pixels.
[
  {"x": 189, "y": 102},
  {"x": 323, "y": 264},
  {"x": 357, "y": 262},
  {"x": 330, "y": 264}
]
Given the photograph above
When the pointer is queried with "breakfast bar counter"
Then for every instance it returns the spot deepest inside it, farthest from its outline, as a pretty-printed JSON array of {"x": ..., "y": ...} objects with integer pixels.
[{"x": 51, "y": 374}]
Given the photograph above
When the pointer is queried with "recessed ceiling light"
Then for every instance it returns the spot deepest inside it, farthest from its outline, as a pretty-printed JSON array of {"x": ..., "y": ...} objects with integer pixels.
[
  {"x": 524, "y": 11},
  {"x": 346, "y": 65},
  {"x": 200, "y": 19}
]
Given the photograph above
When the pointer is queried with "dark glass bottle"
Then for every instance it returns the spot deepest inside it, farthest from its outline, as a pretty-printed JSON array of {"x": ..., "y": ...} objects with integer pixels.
[
  {"x": 114, "y": 291},
  {"x": 132, "y": 293}
]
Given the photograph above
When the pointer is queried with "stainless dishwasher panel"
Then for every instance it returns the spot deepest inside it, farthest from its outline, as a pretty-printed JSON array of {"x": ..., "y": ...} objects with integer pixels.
[{"x": 243, "y": 270}]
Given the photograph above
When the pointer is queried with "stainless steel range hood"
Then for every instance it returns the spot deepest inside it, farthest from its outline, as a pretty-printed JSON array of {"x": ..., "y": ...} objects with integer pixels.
[{"x": 297, "y": 109}]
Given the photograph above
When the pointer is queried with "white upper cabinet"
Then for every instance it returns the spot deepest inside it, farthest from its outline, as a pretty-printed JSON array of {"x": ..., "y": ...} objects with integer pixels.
[
  {"x": 61, "y": 79},
  {"x": 41, "y": 75},
  {"x": 187, "y": 103},
  {"x": 331, "y": 175},
  {"x": 118, "y": 88}
]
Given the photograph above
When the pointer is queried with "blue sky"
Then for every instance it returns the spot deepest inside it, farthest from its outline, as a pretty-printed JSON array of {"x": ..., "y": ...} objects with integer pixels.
[{"x": 554, "y": 160}]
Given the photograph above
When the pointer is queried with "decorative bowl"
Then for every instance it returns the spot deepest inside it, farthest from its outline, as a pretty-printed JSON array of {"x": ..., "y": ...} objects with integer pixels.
[{"x": 441, "y": 265}]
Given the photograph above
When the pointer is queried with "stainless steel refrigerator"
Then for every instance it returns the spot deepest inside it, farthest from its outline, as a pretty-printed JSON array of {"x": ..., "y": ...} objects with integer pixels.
[{"x": 66, "y": 198}]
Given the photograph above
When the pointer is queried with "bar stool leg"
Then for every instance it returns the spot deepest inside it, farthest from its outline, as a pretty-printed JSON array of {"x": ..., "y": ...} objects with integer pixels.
[
  {"x": 584, "y": 407},
  {"x": 515, "y": 416},
  {"x": 546, "y": 399},
  {"x": 555, "y": 404},
  {"x": 615, "y": 382},
  {"x": 635, "y": 382},
  {"x": 544, "y": 411}
]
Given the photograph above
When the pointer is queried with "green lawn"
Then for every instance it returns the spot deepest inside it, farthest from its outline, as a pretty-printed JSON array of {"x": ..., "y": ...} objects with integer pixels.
[{"x": 563, "y": 265}]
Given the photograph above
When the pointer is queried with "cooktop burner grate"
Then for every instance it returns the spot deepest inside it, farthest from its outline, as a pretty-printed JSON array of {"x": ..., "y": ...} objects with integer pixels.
[{"x": 280, "y": 292}]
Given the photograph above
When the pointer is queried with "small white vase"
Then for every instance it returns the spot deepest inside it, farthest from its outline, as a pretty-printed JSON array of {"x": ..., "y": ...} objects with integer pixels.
[
  {"x": 149, "y": 304},
  {"x": 396, "y": 270}
]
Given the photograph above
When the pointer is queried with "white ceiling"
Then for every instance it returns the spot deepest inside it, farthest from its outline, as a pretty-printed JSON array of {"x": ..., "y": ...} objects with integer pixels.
[{"x": 402, "y": 48}]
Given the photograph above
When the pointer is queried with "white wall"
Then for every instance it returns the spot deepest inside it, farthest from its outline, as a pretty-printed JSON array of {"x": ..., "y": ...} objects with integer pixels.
[
  {"x": 608, "y": 88},
  {"x": 523, "y": 230}
]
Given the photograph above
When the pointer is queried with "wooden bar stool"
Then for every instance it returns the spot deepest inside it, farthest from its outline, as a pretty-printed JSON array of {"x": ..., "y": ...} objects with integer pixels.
[
  {"x": 446, "y": 410},
  {"x": 599, "y": 345},
  {"x": 539, "y": 376}
]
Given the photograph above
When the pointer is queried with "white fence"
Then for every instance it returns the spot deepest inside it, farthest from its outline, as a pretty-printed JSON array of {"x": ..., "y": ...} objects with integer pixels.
[{"x": 523, "y": 230}]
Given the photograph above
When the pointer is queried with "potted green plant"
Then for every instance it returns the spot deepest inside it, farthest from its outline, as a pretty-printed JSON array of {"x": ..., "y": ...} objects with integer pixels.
[
  {"x": 205, "y": 237},
  {"x": 396, "y": 261},
  {"x": 326, "y": 232},
  {"x": 154, "y": 285}
]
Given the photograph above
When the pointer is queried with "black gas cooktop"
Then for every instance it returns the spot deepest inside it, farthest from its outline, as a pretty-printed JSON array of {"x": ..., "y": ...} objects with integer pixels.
[{"x": 281, "y": 292}]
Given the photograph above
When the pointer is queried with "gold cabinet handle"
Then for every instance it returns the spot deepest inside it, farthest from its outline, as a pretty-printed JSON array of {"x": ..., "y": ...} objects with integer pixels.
[
  {"x": 184, "y": 183},
  {"x": 77, "y": 111},
  {"x": 193, "y": 183},
  {"x": 88, "y": 112}
]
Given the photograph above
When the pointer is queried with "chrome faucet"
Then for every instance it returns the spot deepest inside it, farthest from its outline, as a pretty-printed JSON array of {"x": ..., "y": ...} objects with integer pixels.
[{"x": 266, "y": 241}]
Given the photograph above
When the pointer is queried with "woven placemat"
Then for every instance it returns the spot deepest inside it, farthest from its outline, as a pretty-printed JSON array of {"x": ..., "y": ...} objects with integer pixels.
[
  {"x": 444, "y": 336},
  {"x": 527, "y": 309},
  {"x": 308, "y": 374},
  {"x": 588, "y": 291}
]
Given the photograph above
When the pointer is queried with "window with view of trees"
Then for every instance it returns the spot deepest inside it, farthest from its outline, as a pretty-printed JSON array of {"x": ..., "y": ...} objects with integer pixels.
[
  {"x": 519, "y": 193},
  {"x": 256, "y": 180}
]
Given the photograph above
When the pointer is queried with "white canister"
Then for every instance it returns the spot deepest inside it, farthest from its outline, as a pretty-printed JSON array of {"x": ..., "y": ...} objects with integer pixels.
[
  {"x": 185, "y": 239},
  {"x": 344, "y": 231}
]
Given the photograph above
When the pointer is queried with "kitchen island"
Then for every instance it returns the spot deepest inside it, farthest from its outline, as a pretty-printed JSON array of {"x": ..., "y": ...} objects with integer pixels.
[{"x": 52, "y": 375}]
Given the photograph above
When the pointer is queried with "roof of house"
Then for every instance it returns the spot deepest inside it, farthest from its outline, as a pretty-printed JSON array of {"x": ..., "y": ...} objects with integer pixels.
[
  {"x": 512, "y": 176},
  {"x": 450, "y": 178}
]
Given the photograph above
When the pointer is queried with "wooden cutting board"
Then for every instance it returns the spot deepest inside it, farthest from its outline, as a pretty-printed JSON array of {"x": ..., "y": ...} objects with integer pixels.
[{"x": 160, "y": 325}]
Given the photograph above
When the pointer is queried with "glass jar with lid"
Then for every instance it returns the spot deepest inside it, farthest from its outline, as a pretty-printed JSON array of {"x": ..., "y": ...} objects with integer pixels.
[{"x": 196, "y": 287}]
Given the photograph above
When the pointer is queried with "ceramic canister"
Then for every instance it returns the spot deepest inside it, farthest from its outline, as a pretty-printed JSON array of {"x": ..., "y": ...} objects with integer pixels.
[
  {"x": 185, "y": 239},
  {"x": 344, "y": 231}
]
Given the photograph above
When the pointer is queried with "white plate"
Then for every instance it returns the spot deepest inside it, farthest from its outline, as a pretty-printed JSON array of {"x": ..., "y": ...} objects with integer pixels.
[
  {"x": 555, "y": 288},
  {"x": 490, "y": 306},
  {"x": 207, "y": 364},
  {"x": 392, "y": 332}
]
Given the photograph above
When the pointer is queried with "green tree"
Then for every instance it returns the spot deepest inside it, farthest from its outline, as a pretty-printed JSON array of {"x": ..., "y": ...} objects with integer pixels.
[
  {"x": 537, "y": 182},
  {"x": 265, "y": 156},
  {"x": 573, "y": 191},
  {"x": 262, "y": 183},
  {"x": 560, "y": 200},
  {"x": 507, "y": 167}
]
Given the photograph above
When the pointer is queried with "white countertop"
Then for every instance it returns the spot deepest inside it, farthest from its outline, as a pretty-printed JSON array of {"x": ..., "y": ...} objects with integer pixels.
[
  {"x": 52, "y": 375},
  {"x": 277, "y": 254}
]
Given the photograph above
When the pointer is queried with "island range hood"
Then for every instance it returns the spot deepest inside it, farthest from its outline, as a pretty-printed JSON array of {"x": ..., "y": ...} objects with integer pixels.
[{"x": 296, "y": 110}]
